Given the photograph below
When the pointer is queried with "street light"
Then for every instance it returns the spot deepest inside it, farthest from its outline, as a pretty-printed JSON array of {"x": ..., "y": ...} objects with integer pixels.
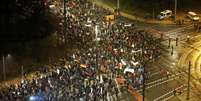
[
  {"x": 189, "y": 77},
  {"x": 118, "y": 4},
  {"x": 175, "y": 11},
  {"x": 64, "y": 13},
  {"x": 4, "y": 65}
]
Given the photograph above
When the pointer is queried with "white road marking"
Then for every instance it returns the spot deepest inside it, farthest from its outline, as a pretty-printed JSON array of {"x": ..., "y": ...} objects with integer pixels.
[{"x": 160, "y": 97}]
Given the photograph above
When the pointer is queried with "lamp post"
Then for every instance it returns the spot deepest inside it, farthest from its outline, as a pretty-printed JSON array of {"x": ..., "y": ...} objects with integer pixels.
[
  {"x": 4, "y": 65},
  {"x": 64, "y": 14},
  {"x": 4, "y": 68},
  {"x": 118, "y": 4},
  {"x": 188, "y": 88},
  {"x": 175, "y": 11},
  {"x": 144, "y": 81},
  {"x": 144, "y": 85},
  {"x": 22, "y": 72}
]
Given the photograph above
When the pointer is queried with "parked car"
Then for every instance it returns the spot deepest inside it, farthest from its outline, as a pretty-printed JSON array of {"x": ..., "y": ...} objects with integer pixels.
[
  {"x": 193, "y": 16},
  {"x": 164, "y": 14}
]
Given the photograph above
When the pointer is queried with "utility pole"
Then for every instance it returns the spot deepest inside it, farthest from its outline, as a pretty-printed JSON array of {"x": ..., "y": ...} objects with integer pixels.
[
  {"x": 64, "y": 14},
  {"x": 189, "y": 74},
  {"x": 22, "y": 72},
  {"x": 143, "y": 89},
  {"x": 175, "y": 11},
  {"x": 4, "y": 69},
  {"x": 118, "y": 4},
  {"x": 143, "y": 83},
  {"x": 153, "y": 14}
]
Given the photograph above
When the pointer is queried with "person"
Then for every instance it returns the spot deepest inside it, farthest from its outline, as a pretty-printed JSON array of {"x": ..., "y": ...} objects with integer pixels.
[
  {"x": 116, "y": 92},
  {"x": 169, "y": 42},
  {"x": 174, "y": 92},
  {"x": 167, "y": 73},
  {"x": 188, "y": 38},
  {"x": 177, "y": 41},
  {"x": 172, "y": 50},
  {"x": 118, "y": 37}
]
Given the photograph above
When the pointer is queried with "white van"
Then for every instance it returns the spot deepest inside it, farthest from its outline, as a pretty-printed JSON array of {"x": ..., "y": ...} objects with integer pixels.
[
  {"x": 164, "y": 14},
  {"x": 193, "y": 16}
]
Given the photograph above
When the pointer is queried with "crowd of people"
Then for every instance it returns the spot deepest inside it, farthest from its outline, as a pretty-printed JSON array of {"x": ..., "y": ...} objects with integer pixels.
[{"x": 106, "y": 49}]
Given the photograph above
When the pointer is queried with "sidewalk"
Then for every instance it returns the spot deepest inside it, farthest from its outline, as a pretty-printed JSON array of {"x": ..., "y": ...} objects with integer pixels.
[
  {"x": 17, "y": 80},
  {"x": 129, "y": 16}
]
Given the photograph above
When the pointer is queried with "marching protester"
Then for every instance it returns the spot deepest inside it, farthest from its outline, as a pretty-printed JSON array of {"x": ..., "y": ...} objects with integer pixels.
[{"x": 105, "y": 50}]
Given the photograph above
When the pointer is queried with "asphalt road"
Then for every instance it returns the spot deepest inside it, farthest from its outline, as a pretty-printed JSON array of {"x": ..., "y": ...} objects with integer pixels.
[
  {"x": 159, "y": 87},
  {"x": 177, "y": 63}
]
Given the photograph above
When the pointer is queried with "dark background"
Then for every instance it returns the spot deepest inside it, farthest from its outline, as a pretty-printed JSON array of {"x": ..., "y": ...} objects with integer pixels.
[{"x": 23, "y": 21}]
